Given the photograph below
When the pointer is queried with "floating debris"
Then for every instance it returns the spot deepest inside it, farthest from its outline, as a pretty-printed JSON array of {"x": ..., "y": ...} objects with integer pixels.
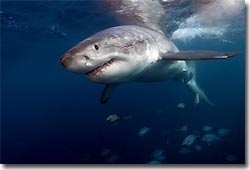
[
  {"x": 184, "y": 151},
  {"x": 189, "y": 140},
  {"x": 158, "y": 155},
  {"x": 181, "y": 105},
  {"x": 105, "y": 152},
  {"x": 113, "y": 118},
  {"x": 144, "y": 131},
  {"x": 210, "y": 138},
  {"x": 154, "y": 162},
  {"x": 183, "y": 129},
  {"x": 197, "y": 148},
  {"x": 223, "y": 132},
  {"x": 231, "y": 158},
  {"x": 207, "y": 128}
]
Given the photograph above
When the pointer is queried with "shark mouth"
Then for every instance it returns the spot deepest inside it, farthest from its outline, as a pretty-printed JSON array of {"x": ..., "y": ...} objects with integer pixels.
[{"x": 100, "y": 69}]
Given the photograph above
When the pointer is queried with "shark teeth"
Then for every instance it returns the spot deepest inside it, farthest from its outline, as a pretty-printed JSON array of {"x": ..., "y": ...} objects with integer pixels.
[{"x": 101, "y": 68}]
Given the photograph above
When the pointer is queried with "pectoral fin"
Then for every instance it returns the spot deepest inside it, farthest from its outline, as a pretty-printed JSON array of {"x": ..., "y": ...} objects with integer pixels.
[
  {"x": 198, "y": 55},
  {"x": 107, "y": 92}
]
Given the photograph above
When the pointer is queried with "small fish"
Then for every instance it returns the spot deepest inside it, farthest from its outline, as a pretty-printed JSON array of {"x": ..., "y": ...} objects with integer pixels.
[
  {"x": 210, "y": 138},
  {"x": 113, "y": 118},
  {"x": 184, "y": 151},
  {"x": 181, "y": 105},
  {"x": 207, "y": 128},
  {"x": 158, "y": 155},
  {"x": 183, "y": 129},
  {"x": 189, "y": 140},
  {"x": 144, "y": 131}
]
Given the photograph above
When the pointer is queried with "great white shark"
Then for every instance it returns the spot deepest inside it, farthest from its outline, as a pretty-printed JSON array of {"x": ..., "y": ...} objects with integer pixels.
[{"x": 131, "y": 53}]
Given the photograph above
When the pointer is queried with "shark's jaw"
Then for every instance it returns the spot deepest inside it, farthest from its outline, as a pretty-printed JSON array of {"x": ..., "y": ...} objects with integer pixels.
[{"x": 100, "y": 69}]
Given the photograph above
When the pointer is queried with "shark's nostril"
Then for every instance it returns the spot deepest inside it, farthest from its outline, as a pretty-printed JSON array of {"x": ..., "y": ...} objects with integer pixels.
[
  {"x": 84, "y": 58},
  {"x": 87, "y": 58}
]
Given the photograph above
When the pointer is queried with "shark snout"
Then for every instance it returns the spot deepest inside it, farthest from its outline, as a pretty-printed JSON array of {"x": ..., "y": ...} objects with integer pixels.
[
  {"x": 62, "y": 59},
  {"x": 68, "y": 59},
  {"x": 78, "y": 63},
  {"x": 65, "y": 58}
]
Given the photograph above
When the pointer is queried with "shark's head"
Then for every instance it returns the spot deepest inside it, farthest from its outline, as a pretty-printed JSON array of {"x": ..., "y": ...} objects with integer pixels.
[{"x": 110, "y": 56}]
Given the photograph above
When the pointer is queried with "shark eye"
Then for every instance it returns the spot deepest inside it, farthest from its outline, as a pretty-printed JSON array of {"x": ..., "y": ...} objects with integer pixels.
[{"x": 96, "y": 47}]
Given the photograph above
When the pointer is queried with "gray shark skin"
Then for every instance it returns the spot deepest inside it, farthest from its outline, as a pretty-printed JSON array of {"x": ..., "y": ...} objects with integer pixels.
[{"x": 131, "y": 53}]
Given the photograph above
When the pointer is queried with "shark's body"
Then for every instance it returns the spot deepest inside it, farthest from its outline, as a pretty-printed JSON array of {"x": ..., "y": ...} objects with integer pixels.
[{"x": 132, "y": 53}]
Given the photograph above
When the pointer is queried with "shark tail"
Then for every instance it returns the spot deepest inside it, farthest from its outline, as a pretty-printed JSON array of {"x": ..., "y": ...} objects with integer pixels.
[{"x": 193, "y": 86}]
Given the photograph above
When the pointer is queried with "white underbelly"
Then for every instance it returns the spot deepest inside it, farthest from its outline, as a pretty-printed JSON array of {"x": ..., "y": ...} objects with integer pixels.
[{"x": 162, "y": 71}]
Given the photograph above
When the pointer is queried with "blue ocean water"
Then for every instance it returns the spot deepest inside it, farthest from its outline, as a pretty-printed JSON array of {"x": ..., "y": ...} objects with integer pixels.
[{"x": 50, "y": 115}]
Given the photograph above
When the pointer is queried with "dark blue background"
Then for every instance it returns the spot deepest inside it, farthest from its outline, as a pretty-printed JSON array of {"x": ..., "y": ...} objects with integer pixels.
[{"x": 50, "y": 115}]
